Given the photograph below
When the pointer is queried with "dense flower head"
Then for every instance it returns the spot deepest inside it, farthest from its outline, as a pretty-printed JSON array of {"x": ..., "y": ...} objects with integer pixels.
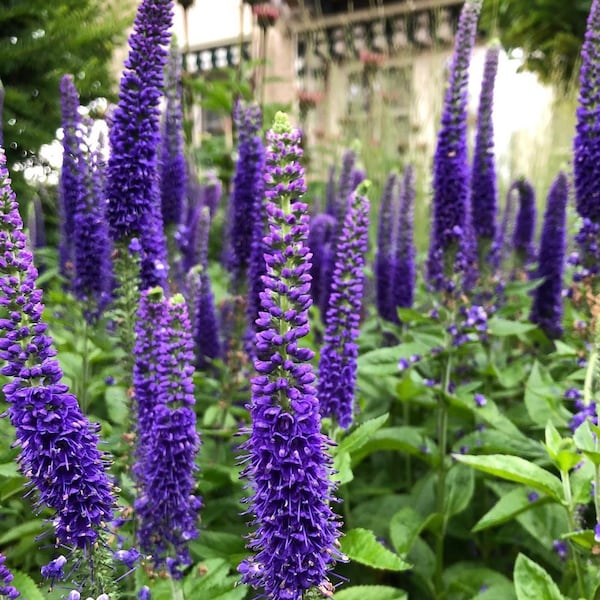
[
  {"x": 70, "y": 173},
  {"x": 247, "y": 189},
  {"x": 6, "y": 578},
  {"x": 547, "y": 307},
  {"x": 337, "y": 365},
  {"x": 133, "y": 187},
  {"x": 345, "y": 184},
  {"x": 383, "y": 257},
  {"x": 483, "y": 172},
  {"x": 331, "y": 193},
  {"x": 59, "y": 447},
  {"x": 173, "y": 173},
  {"x": 501, "y": 242},
  {"x": 167, "y": 506},
  {"x": 92, "y": 279},
  {"x": 450, "y": 168},
  {"x": 586, "y": 163},
  {"x": 403, "y": 253},
  {"x": 587, "y": 258},
  {"x": 320, "y": 242},
  {"x": 525, "y": 221},
  {"x": 288, "y": 469},
  {"x": 205, "y": 325}
]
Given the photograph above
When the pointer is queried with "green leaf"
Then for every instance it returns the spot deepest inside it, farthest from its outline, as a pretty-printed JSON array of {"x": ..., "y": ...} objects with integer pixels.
[
  {"x": 542, "y": 400},
  {"x": 26, "y": 586},
  {"x": 361, "y": 435},
  {"x": 117, "y": 404},
  {"x": 9, "y": 470},
  {"x": 584, "y": 440},
  {"x": 460, "y": 485},
  {"x": 29, "y": 528},
  {"x": 504, "y": 327},
  {"x": 405, "y": 527},
  {"x": 342, "y": 464},
  {"x": 371, "y": 592},
  {"x": 361, "y": 546},
  {"x": 509, "y": 506},
  {"x": 584, "y": 538},
  {"x": 516, "y": 469},
  {"x": 561, "y": 450},
  {"x": 532, "y": 581},
  {"x": 409, "y": 440},
  {"x": 384, "y": 361}
]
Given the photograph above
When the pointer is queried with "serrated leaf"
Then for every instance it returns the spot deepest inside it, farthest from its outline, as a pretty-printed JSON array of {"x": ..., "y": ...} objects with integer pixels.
[
  {"x": 371, "y": 592},
  {"x": 507, "y": 507},
  {"x": 516, "y": 469},
  {"x": 117, "y": 404},
  {"x": 29, "y": 528},
  {"x": 542, "y": 401},
  {"x": 9, "y": 470},
  {"x": 532, "y": 581},
  {"x": 460, "y": 486},
  {"x": 26, "y": 586},
  {"x": 504, "y": 327},
  {"x": 361, "y": 435},
  {"x": 361, "y": 546},
  {"x": 342, "y": 464},
  {"x": 405, "y": 527}
]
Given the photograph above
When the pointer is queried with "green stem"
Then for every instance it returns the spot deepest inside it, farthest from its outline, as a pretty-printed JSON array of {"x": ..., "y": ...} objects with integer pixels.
[
  {"x": 83, "y": 399},
  {"x": 407, "y": 458},
  {"x": 442, "y": 427},
  {"x": 176, "y": 590},
  {"x": 570, "y": 508}
]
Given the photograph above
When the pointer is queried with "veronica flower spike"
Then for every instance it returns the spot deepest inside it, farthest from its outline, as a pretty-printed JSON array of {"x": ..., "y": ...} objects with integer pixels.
[
  {"x": 59, "y": 447},
  {"x": 133, "y": 187},
  {"x": 451, "y": 195},
  {"x": 337, "y": 366},
  {"x": 547, "y": 307},
  {"x": 288, "y": 469}
]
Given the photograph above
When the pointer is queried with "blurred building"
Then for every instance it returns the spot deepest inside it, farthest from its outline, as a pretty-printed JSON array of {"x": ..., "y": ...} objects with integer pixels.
[{"x": 346, "y": 68}]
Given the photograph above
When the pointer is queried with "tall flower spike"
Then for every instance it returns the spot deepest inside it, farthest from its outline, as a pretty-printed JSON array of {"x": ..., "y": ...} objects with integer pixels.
[
  {"x": 247, "y": 190},
  {"x": 133, "y": 182},
  {"x": 383, "y": 258},
  {"x": 450, "y": 167},
  {"x": 320, "y": 242},
  {"x": 173, "y": 174},
  {"x": 6, "y": 578},
  {"x": 403, "y": 259},
  {"x": 586, "y": 164},
  {"x": 337, "y": 365},
  {"x": 205, "y": 325},
  {"x": 483, "y": 173},
  {"x": 547, "y": 307},
  {"x": 70, "y": 188},
  {"x": 167, "y": 506},
  {"x": 92, "y": 281},
  {"x": 525, "y": 221},
  {"x": 501, "y": 242},
  {"x": 257, "y": 266},
  {"x": 59, "y": 447},
  {"x": 288, "y": 468}
]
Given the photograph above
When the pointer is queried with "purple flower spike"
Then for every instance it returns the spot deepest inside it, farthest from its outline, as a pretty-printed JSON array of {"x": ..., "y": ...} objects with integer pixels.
[
  {"x": 59, "y": 447},
  {"x": 6, "y": 578},
  {"x": 173, "y": 174},
  {"x": 483, "y": 173},
  {"x": 547, "y": 307},
  {"x": 345, "y": 186},
  {"x": 167, "y": 506},
  {"x": 288, "y": 469},
  {"x": 586, "y": 164},
  {"x": 337, "y": 366},
  {"x": 204, "y": 318},
  {"x": 320, "y": 242},
  {"x": 383, "y": 258},
  {"x": 450, "y": 168},
  {"x": 133, "y": 187},
  {"x": 70, "y": 188},
  {"x": 524, "y": 232},
  {"x": 403, "y": 254},
  {"x": 246, "y": 202}
]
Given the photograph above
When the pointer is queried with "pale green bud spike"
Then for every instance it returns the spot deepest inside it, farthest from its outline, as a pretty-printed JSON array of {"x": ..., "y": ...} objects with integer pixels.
[
  {"x": 281, "y": 124},
  {"x": 177, "y": 299},
  {"x": 363, "y": 187},
  {"x": 156, "y": 294}
]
